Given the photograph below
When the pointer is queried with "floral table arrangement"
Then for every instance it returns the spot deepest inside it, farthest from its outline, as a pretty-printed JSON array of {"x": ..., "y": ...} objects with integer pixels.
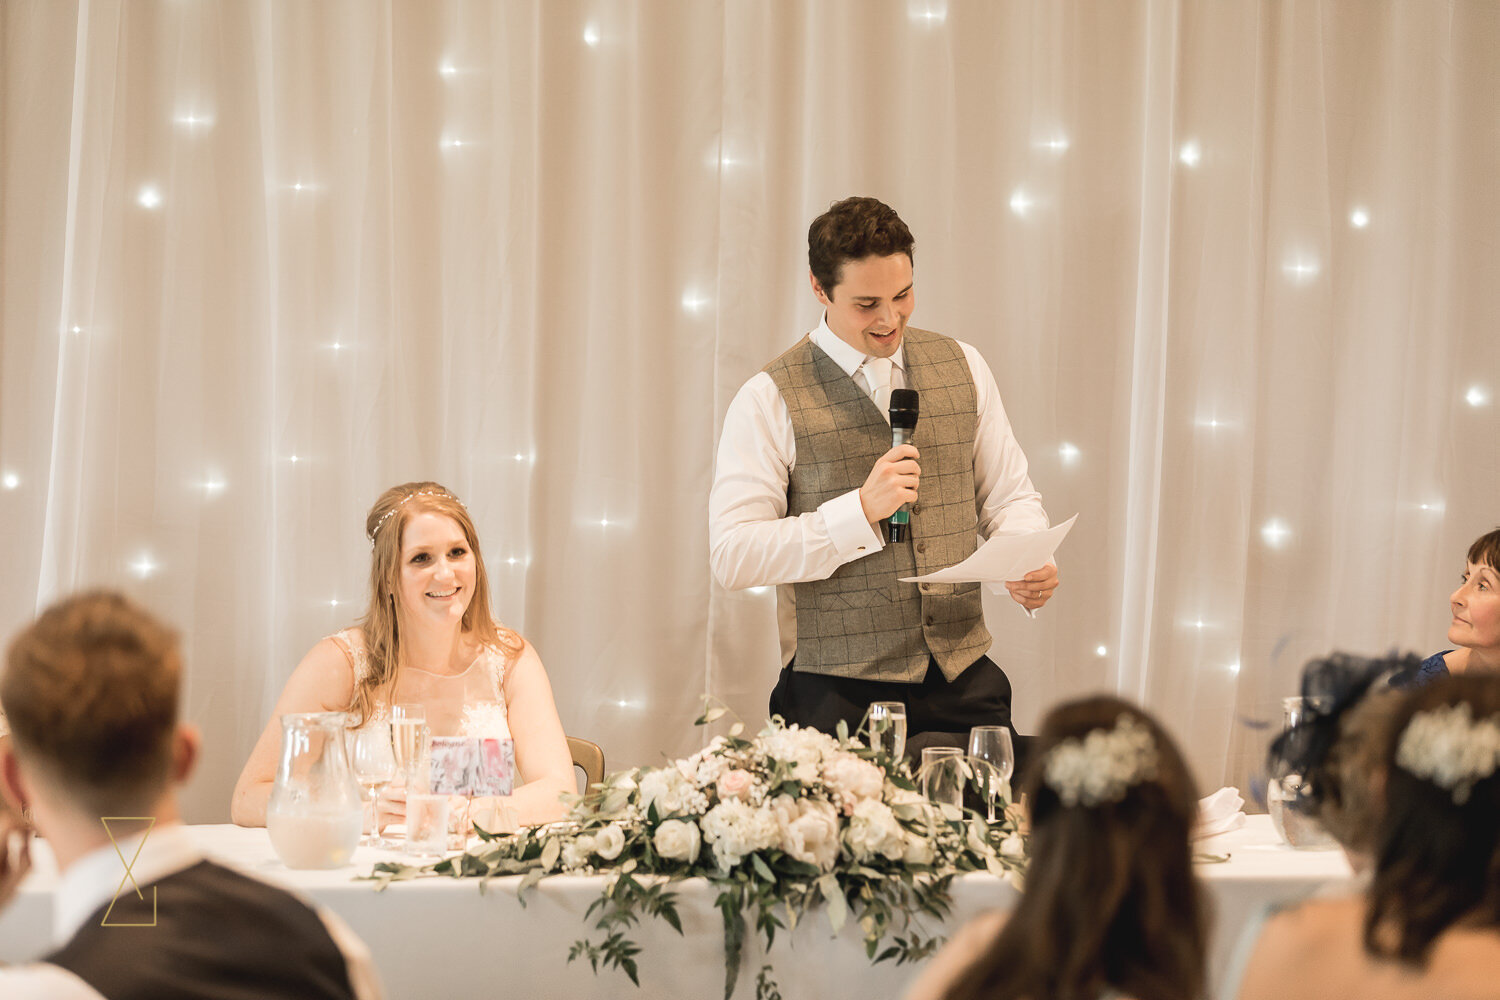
[{"x": 778, "y": 824}]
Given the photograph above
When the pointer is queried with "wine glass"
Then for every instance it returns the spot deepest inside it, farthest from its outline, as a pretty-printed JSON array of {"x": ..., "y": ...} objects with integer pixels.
[
  {"x": 887, "y": 728},
  {"x": 992, "y": 744},
  {"x": 373, "y": 758}
]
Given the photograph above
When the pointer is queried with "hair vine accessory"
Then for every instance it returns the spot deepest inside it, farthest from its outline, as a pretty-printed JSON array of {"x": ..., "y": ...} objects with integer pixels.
[
  {"x": 402, "y": 503},
  {"x": 1101, "y": 766},
  {"x": 1449, "y": 748}
]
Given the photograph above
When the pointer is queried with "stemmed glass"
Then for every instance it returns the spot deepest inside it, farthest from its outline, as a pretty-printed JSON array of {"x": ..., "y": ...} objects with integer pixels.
[
  {"x": 374, "y": 761},
  {"x": 992, "y": 744},
  {"x": 409, "y": 741},
  {"x": 887, "y": 727},
  {"x": 942, "y": 775}
]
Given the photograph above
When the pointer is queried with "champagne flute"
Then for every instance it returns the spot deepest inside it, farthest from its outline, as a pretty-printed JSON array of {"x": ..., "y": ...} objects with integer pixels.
[
  {"x": 992, "y": 744},
  {"x": 887, "y": 728},
  {"x": 942, "y": 775},
  {"x": 373, "y": 759},
  {"x": 409, "y": 741}
]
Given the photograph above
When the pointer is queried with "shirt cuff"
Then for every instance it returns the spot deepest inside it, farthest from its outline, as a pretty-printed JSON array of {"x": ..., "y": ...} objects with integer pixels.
[{"x": 852, "y": 536}]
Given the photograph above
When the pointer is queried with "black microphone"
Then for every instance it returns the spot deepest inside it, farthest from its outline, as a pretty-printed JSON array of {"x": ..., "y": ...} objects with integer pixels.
[{"x": 903, "y": 426}]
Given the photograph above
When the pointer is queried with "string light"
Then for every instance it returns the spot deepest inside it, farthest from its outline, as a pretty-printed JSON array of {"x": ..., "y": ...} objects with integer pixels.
[
  {"x": 1476, "y": 396},
  {"x": 77, "y": 329},
  {"x": 693, "y": 302},
  {"x": 1190, "y": 153},
  {"x": 143, "y": 565},
  {"x": 10, "y": 480},
  {"x": 591, "y": 34},
  {"x": 1101, "y": 651},
  {"x": 1057, "y": 144},
  {"x": 603, "y": 522},
  {"x": 1069, "y": 453},
  {"x": 447, "y": 69},
  {"x": 1275, "y": 532},
  {"x": 149, "y": 197},
  {"x": 1301, "y": 268},
  {"x": 1234, "y": 668},
  {"x": 213, "y": 485},
  {"x": 294, "y": 459},
  {"x": 1020, "y": 202},
  {"x": 453, "y": 143},
  {"x": 192, "y": 121},
  {"x": 333, "y": 602},
  {"x": 1359, "y": 218},
  {"x": 929, "y": 12}
]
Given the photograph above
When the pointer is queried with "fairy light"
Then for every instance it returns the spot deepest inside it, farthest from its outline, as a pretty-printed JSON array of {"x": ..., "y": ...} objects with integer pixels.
[
  {"x": 1359, "y": 218},
  {"x": 10, "y": 480},
  {"x": 148, "y": 197},
  {"x": 1068, "y": 453},
  {"x": 1275, "y": 533},
  {"x": 143, "y": 565},
  {"x": 1020, "y": 202}
]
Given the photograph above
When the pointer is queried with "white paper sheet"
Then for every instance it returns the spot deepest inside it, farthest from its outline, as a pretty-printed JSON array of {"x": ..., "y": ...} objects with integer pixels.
[{"x": 1003, "y": 557}]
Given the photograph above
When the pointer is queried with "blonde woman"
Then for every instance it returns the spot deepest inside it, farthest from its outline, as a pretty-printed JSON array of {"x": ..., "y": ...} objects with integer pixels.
[{"x": 428, "y": 637}]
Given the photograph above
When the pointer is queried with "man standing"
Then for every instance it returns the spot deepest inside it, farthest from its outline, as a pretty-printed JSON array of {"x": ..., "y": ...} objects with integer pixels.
[
  {"x": 806, "y": 475},
  {"x": 92, "y": 691}
]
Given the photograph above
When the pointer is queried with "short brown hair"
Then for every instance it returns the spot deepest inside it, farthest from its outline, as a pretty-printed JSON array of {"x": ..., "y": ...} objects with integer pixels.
[
  {"x": 91, "y": 689},
  {"x": 1486, "y": 550},
  {"x": 854, "y": 229}
]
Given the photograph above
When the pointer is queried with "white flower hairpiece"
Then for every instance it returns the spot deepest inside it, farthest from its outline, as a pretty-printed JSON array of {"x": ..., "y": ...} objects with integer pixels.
[
  {"x": 1449, "y": 748},
  {"x": 1101, "y": 766},
  {"x": 402, "y": 503}
]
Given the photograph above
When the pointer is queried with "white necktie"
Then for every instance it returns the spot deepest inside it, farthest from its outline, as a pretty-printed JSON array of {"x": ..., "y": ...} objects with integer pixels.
[{"x": 878, "y": 378}]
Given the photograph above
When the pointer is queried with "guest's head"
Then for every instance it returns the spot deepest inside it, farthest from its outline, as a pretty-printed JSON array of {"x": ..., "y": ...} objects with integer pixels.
[
  {"x": 859, "y": 254},
  {"x": 1437, "y": 850},
  {"x": 426, "y": 571},
  {"x": 1476, "y": 602},
  {"x": 1110, "y": 899},
  {"x": 1335, "y": 750},
  {"x": 91, "y": 690}
]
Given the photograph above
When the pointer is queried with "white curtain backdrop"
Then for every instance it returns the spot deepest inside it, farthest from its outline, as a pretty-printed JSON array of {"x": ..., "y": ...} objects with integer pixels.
[{"x": 1234, "y": 265}]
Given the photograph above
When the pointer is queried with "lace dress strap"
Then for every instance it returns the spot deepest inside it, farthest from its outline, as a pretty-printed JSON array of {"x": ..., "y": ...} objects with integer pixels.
[{"x": 352, "y": 642}]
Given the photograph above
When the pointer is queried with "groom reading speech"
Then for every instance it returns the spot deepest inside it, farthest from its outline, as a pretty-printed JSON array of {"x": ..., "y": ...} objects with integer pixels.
[{"x": 807, "y": 477}]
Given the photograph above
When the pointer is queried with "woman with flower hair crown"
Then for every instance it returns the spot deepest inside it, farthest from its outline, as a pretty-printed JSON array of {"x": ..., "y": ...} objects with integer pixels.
[
  {"x": 1110, "y": 908},
  {"x": 1428, "y": 924},
  {"x": 428, "y": 637}
]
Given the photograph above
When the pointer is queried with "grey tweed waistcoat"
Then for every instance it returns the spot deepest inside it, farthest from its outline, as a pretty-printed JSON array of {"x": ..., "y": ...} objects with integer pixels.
[{"x": 862, "y": 622}]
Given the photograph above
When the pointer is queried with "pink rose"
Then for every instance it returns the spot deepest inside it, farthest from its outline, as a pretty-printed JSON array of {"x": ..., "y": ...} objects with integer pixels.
[{"x": 736, "y": 784}]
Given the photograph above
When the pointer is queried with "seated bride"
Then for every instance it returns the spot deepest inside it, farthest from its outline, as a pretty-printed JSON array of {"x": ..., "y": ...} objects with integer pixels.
[{"x": 428, "y": 639}]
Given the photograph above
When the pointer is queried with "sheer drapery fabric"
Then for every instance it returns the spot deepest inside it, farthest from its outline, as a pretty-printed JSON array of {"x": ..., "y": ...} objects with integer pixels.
[{"x": 1234, "y": 266}]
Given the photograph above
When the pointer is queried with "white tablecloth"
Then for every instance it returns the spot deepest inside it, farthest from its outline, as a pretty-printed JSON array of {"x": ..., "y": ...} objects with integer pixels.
[{"x": 438, "y": 937}]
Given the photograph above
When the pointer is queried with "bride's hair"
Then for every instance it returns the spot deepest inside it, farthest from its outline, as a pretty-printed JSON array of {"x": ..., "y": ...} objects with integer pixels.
[
  {"x": 384, "y": 526},
  {"x": 1110, "y": 899},
  {"x": 1437, "y": 859}
]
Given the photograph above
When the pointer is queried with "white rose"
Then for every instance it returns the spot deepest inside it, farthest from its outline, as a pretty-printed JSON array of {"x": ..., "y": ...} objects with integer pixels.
[
  {"x": 678, "y": 840},
  {"x": 918, "y": 850},
  {"x": 609, "y": 842},
  {"x": 810, "y": 832},
  {"x": 853, "y": 779},
  {"x": 576, "y": 851},
  {"x": 1013, "y": 847},
  {"x": 873, "y": 830},
  {"x": 669, "y": 790},
  {"x": 736, "y": 829}
]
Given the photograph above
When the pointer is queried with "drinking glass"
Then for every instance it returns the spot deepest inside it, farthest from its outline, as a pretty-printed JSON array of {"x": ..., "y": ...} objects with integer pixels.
[
  {"x": 1296, "y": 828},
  {"x": 426, "y": 824},
  {"x": 942, "y": 775},
  {"x": 409, "y": 742},
  {"x": 887, "y": 727},
  {"x": 992, "y": 745},
  {"x": 373, "y": 759}
]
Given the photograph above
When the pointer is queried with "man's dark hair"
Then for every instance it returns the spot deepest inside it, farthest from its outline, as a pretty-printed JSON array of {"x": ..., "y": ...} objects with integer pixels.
[{"x": 854, "y": 229}]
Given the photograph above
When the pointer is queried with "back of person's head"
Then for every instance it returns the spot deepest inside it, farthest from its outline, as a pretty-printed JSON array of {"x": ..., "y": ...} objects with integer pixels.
[
  {"x": 1110, "y": 899},
  {"x": 1437, "y": 853},
  {"x": 854, "y": 229},
  {"x": 1336, "y": 748},
  {"x": 91, "y": 689}
]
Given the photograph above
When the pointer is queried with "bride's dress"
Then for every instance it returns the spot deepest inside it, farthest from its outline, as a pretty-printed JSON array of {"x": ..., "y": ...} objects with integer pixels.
[{"x": 470, "y": 703}]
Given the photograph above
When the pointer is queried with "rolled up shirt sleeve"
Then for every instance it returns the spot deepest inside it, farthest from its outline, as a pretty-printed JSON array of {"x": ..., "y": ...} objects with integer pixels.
[{"x": 752, "y": 541}]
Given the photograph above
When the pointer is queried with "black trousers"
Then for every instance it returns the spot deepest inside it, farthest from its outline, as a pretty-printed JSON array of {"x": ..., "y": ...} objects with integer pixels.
[{"x": 939, "y": 712}]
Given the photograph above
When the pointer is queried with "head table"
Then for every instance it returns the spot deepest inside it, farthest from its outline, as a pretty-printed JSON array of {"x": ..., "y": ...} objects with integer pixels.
[{"x": 443, "y": 937}]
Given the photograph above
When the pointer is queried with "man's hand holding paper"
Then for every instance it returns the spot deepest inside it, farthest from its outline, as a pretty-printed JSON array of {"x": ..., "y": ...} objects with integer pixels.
[{"x": 1023, "y": 563}]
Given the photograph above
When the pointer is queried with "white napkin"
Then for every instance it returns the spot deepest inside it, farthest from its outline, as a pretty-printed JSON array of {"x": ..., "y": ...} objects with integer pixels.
[{"x": 1220, "y": 812}]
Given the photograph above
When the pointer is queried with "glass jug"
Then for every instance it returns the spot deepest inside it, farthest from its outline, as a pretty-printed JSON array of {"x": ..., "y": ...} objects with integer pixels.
[
  {"x": 1296, "y": 828},
  {"x": 315, "y": 814}
]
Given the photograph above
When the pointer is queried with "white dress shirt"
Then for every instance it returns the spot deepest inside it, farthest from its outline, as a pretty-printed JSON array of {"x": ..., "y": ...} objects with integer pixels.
[
  {"x": 752, "y": 542},
  {"x": 92, "y": 880}
]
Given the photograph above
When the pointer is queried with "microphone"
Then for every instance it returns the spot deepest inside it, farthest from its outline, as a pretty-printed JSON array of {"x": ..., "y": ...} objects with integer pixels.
[{"x": 903, "y": 426}]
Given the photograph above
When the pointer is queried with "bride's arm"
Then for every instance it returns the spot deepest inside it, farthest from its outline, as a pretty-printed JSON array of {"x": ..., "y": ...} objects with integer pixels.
[
  {"x": 322, "y": 682},
  {"x": 542, "y": 757}
]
